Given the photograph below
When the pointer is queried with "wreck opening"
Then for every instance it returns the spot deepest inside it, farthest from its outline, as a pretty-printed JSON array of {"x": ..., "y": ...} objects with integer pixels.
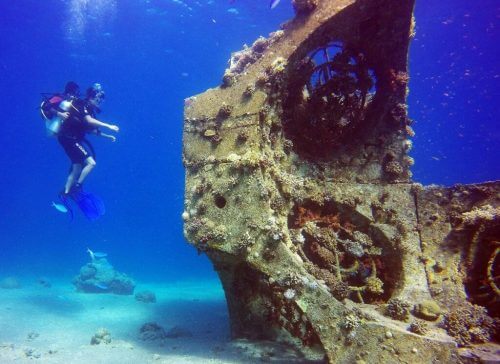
[
  {"x": 220, "y": 201},
  {"x": 328, "y": 98}
]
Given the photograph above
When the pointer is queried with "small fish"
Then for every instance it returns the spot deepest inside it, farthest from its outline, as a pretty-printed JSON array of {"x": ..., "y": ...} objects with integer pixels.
[
  {"x": 94, "y": 255},
  {"x": 60, "y": 207},
  {"x": 274, "y": 3},
  {"x": 101, "y": 286}
]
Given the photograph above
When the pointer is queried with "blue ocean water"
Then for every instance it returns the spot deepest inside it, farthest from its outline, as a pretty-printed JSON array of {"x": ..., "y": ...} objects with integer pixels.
[{"x": 149, "y": 55}]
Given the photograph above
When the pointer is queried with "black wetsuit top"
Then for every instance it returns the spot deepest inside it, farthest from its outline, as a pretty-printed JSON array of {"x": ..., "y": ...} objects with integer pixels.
[
  {"x": 73, "y": 131},
  {"x": 75, "y": 126}
]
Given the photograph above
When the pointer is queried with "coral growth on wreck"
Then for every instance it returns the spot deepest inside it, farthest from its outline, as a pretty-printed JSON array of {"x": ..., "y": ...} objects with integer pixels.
[
  {"x": 304, "y": 6},
  {"x": 398, "y": 309},
  {"x": 470, "y": 324}
]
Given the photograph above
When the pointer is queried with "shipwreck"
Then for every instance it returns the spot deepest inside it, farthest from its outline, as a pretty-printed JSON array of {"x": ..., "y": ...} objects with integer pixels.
[{"x": 299, "y": 190}]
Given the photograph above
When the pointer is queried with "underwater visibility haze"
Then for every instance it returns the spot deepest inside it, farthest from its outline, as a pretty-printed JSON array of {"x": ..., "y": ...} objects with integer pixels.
[{"x": 149, "y": 56}]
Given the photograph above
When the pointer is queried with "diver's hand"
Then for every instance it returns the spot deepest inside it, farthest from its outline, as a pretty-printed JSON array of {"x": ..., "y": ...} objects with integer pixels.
[
  {"x": 108, "y": 136},
  {"x": 63, "y": 115},
  {"x": 114, "y": 127}
]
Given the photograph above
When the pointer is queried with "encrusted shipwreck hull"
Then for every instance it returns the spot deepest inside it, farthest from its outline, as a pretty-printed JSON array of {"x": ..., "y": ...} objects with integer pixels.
[{"x": 298, "y": 188}]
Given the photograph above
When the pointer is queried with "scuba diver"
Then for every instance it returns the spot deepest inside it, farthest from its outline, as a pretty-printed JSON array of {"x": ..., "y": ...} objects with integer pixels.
[{"x": 81, "y": 119}]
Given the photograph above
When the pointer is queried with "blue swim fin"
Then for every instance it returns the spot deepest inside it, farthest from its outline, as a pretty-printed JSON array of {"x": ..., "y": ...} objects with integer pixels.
[{"x": 91, "y": 205}]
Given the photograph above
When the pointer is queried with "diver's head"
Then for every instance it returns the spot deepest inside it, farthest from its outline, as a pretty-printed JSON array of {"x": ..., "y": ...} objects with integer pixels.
[
  {"x": 72, "y": 89},
  {"x": 95, "y": 94}
]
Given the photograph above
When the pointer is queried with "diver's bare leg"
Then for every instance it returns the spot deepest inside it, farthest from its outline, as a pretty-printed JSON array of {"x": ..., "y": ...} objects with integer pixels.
[
  {"x": 75, "y": 172},
  {"x": 89, "y": 166}
]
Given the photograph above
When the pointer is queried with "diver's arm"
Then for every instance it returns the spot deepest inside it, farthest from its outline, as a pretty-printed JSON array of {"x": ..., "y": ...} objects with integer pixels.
[
  {"x": 94, "y": 122},
  {"x": 98, "y": 132},
  {"x": 109, "y": 136},
  {"x": 104, "y": 135}
]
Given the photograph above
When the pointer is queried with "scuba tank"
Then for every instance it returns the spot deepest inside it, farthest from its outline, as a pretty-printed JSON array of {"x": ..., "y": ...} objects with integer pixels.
[{"x": 53, "y": 122}]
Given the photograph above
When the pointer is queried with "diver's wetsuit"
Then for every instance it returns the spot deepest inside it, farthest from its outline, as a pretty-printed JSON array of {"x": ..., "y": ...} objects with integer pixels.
[{"x": 73, "y": 130}]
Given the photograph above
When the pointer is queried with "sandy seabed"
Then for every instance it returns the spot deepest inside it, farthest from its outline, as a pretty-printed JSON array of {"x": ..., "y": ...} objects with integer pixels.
[{"x": 56, "y": 324}]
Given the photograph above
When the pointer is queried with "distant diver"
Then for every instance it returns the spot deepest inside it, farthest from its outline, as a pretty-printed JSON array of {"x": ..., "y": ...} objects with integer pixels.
[{"x": 71, "y": 135}]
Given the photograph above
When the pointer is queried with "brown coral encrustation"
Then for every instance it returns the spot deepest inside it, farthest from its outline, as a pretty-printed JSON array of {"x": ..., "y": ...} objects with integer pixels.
[
  {"x": 304, "y": 6},
  {"x": 470, "y": 324}
]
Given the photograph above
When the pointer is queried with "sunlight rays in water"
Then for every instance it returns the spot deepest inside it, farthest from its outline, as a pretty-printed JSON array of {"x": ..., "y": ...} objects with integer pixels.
[{"x": 87, "y": 15}]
